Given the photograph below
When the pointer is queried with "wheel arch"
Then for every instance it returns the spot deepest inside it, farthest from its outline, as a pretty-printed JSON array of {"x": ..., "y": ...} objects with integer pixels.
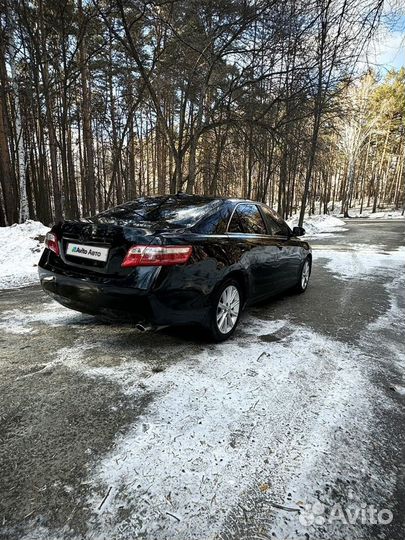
[
  {"x": 242, "y": 279},
  {"x": 309, "y": 257}
]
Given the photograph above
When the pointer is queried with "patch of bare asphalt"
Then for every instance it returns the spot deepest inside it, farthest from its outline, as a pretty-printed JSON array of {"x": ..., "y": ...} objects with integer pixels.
[
  {"x": 55, "y": 423},
  {"x": 54, "y": 428},
  {"x": 338, "y": 309}
]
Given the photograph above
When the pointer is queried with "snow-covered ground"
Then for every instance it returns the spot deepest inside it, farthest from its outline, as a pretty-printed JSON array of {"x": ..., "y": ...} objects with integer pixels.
[
  {"x": 25, "y": 320},
  {"x": 20, "y": 250},
  {"x": 210, "y": 436},
  {"x": 393, "y": 214},
  {"x": 324, "y": 225},
  {"x": 367, "y": 212},
  {"x": 360, "y": 260},
  {"x": 327, "y": 225}
]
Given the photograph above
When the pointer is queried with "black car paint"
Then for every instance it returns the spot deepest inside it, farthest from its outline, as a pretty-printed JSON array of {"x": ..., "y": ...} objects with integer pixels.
[{"x": 263, "y": 264}]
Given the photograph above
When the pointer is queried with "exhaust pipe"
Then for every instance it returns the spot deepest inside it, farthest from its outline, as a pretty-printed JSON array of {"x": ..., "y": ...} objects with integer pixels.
[
  {"x": 48, "y": 279},
  {"x": 142, "y": 328},
  {"x": 148, "y": 327}
]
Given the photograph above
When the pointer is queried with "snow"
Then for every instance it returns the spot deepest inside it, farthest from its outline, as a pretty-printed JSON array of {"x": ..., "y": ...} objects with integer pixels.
[
  {"x": 367, "y": 212},
  {"x": 239, "y": 423},
  {"x": 360, "y": 261},
  {"x": 232, "y": 429},
  {"x": 329, "y": 225},
  {"x": 319, "y": 225},
  {"x": 220, "y": 422},
  {"x": 20, "y": 249},
  {"x": 27, "y": 321},
  {"x": 394, "y": 214}
]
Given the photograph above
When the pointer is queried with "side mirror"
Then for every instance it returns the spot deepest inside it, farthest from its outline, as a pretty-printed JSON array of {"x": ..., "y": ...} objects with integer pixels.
[{"x": 298, "y": 231}]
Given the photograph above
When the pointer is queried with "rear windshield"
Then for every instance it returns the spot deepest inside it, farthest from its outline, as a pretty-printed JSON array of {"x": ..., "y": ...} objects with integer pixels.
[{"x": 161, "y": 211}]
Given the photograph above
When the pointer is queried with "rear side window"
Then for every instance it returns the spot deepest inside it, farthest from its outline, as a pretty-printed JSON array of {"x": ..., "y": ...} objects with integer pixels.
[
  {"x": 215, "y": 222},
  {"x": 276, "y": 225},
  {"x": 247, "y": 219}
]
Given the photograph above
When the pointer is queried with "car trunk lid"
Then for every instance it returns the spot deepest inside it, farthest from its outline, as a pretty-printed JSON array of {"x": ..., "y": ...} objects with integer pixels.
[{"x": 100, "y": 247}]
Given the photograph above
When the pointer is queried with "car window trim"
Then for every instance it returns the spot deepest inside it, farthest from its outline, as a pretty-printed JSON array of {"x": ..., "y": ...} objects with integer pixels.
[
  {"x": 269, "y": 232},
  {"x": 261, "y": 215},
  {"x": 230, "y": 220},
  {"x": 282, "y": 236}
]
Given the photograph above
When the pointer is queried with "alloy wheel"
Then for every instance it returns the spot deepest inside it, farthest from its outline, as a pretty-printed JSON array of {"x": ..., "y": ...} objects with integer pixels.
[
  {"x": 228, "y": 309},
  {"x": 305, "y": 275}
]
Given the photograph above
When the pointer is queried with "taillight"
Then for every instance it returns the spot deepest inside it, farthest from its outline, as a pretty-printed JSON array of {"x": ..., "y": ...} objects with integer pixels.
[
  {"x": 156, "y": 256},
  {"x": 51, "y": 242}
]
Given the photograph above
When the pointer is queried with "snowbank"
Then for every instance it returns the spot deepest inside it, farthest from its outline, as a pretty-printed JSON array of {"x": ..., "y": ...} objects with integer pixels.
[
  {"x": 315, "y": 225},
  {"x": 354, "y": 212},
  {"x": 20, "y": 250}
]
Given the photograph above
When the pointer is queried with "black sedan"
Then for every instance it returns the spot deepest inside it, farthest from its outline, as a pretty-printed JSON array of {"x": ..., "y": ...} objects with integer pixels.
[{"x": 175, "y": 260}]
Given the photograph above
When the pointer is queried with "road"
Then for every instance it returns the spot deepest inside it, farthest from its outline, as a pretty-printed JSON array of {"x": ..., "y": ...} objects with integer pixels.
[{"x": 293, "y": 429}]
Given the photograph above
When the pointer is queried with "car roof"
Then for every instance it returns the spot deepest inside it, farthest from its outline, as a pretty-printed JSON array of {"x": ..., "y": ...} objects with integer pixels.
[
  {"x": 238, "y": 200},
  {"x": 200, "y": 198}
]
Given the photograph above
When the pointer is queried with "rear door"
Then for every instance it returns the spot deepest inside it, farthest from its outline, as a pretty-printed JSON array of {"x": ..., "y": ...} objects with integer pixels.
[
  {"x": 260, "y": 252},
  {"x": 289, "y": 248}
]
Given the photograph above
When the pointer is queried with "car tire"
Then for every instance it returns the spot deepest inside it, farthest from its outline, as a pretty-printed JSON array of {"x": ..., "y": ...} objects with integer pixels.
[
  {"x": 225, "y": 310},
  {"x": 303, "y": 279}
]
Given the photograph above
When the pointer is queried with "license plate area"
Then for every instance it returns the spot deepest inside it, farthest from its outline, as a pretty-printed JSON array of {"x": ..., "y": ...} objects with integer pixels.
[{"x": 83, "y": 251}]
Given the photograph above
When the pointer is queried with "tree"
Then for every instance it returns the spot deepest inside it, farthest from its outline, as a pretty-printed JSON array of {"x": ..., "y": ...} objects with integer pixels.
[{"x": 104, "y": 101}]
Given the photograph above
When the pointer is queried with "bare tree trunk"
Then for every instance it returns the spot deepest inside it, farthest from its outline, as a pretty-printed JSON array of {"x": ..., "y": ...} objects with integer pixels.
[
  {"x": 378, "y": 183},
  {"x": 363, "y": 177},
  {"x": 193, "y": 145},
  {"x": 349, "y": 187},
  {"x": 90, "y": 200},
  {"x": 21, "y": 156},
  {"x": 399, "y": 178},
  {"x": 48, "y": 98},
  {"x": 7, "y": 179}
]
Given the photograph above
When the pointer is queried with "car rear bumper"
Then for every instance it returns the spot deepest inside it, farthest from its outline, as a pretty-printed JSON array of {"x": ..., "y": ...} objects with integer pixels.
[{"x": 161, "y": 307}]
